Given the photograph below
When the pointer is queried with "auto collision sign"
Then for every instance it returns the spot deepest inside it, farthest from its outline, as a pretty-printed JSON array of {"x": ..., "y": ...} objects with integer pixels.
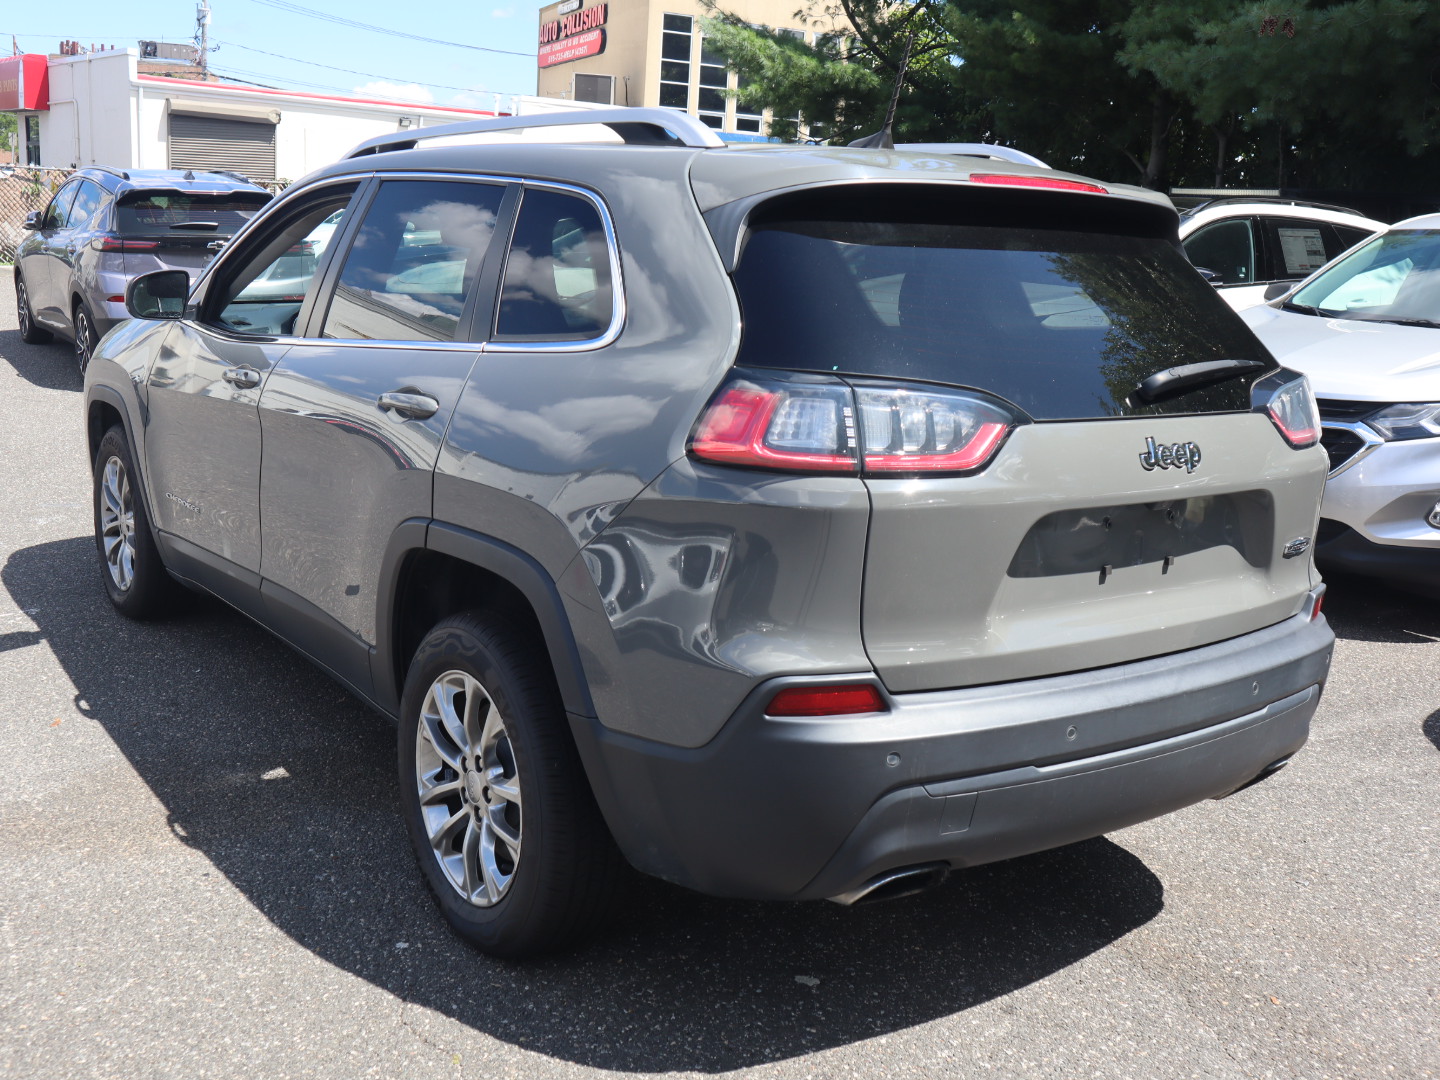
[{"x": 574, "y": 35}]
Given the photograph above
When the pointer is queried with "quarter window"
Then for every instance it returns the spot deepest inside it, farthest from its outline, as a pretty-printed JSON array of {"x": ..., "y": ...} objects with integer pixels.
[
  {"x": 86, "y": 203},
  {"x": 557, "y": 283},
  {"x": 414, "y": 262}
]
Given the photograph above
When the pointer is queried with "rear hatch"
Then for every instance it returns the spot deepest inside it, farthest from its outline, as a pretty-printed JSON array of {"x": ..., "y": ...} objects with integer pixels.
[
  {"x": 172, "y": 229},
  {"x": 1081, "y": 521}
]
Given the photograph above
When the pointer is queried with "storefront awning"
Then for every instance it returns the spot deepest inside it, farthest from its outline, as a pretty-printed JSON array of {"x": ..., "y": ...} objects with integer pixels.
[{"x": 24, "y": 83}]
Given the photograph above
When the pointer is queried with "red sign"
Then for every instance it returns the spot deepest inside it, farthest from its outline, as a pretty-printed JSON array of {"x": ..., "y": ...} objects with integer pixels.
[
  {"x": 24, "y": 83},
  {"x": 590, "y": 43},
  {"x": 577, "y": 22}
]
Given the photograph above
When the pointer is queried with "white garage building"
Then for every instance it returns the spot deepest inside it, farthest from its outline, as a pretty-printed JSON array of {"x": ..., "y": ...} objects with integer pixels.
[{"x": 99, "y": 109}]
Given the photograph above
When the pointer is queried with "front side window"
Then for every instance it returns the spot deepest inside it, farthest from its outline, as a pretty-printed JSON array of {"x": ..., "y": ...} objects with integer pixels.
[
  {"x": 264, "y": 286},
  {"x": 1394, "y": 278},
  {"x": 1062, "y": 322},
  {"x": 414, "y": 262},
  {"x": 557, "y": 274},
  {"x": 1226, "y": 248},
  {"x": 57, "y": 214}
]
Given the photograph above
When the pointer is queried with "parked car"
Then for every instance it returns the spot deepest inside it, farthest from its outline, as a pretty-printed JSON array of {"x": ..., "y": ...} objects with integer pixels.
[
  {"x": 1250, "y": 247},
  {"x": 793, "y": 523},
  {"x": 105, "y": 227},
  {"x": 1366, "y": 329}
]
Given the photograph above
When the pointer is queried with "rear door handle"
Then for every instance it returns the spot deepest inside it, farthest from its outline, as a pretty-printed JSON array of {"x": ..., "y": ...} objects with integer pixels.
[
  {"x": 409, "y": 404},
  {"x": 243, "y": 377}
]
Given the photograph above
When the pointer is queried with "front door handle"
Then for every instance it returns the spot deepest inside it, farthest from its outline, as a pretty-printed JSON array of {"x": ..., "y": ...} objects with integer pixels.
[
  {"x": 409, "y": 404},
  {"x": 242, "y": 377}
]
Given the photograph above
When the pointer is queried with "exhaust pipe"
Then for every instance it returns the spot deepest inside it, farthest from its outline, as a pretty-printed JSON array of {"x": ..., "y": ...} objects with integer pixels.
[
  {"x": 893, "y": 884},
  {"x": 1264, "y": 774}
]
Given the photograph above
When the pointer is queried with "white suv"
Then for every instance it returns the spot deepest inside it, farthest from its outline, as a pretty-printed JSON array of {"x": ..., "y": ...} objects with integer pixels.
[{"x": 1253, "y": 248}]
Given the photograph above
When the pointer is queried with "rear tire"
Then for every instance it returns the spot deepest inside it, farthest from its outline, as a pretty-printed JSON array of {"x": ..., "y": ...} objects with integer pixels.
[
  {"x": 135, "y": 579},
  {"x": 85, "y": 336},
  {"x": 30, "y": 332},
  {"x": 495, "y": 800}
]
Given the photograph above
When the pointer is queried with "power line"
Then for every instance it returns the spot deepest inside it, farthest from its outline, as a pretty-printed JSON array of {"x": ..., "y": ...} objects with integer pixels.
[
  {"x": 351, "y": 71},
  {"x": 324, "y": 16}
]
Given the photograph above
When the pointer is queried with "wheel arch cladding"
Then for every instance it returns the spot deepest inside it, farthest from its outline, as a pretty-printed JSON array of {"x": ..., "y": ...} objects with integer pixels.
[{"x": 458, "y": 570}]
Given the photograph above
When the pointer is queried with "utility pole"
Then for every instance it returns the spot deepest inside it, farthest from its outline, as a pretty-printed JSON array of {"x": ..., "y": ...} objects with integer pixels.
[{"x": 202, "y": 37}]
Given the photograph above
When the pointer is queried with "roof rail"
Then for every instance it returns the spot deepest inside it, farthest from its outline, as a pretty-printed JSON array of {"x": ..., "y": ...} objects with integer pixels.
[
  {"x": 975, "y": 149},
  {"x": 1273, "y": 200},
  {"x": 650, "y": 127},
  {"x": 111, "y": 170}
]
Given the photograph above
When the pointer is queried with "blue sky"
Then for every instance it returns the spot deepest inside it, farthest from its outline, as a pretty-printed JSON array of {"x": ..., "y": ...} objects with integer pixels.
[{"x": 283, "y": 42}]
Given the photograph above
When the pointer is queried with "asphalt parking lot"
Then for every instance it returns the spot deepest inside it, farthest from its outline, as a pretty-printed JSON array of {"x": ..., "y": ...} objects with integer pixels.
[{"x": 203, "y": 874}]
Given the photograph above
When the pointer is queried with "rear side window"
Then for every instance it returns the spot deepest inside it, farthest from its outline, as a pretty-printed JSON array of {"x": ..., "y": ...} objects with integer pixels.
[
  {"x": 152, "y": 212},
  {"x": 557, "y": 275},
  {"x": 414, "y": 262},
  {"x": 1063, "y": 324}
]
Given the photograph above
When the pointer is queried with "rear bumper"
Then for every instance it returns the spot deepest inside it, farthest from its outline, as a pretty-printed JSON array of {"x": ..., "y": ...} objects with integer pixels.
[{"x": 804, "y": 809}]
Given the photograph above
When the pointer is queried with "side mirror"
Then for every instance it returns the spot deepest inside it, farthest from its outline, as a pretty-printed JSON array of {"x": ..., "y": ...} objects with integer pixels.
[
  {"x": 1278, "y": 288},
  {"x": 1210, "y": 275},
  {"x": 32, "y": 220},
  {"x": 160, "y": 295}
]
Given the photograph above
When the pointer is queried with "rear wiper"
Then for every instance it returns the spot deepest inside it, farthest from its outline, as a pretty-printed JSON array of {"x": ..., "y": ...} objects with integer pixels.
[
  {"x": 207, "y": 226},
  {"x": 1172, "y": 382}
]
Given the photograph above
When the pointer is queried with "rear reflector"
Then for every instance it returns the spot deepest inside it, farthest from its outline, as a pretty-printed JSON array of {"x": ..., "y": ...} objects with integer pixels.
[
  {"x": 1008, "y": 180},
  {"x": 843, "y": 700},
  {"x": 114, "y": 299},
  {"x": 1316, "y": 606}
]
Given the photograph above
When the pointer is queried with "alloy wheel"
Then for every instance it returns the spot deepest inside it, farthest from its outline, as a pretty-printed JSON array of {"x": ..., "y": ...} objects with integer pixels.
[
  {"x": 83, "y": 339},
  {"x": 22, "y": 307},
  {"x": 117, "y": 524},
  {"x": 469, "y": 788}
]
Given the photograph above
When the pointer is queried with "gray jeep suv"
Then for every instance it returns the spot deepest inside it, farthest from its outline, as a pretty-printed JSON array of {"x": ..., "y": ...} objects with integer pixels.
[{"x": 792, "y": 523}]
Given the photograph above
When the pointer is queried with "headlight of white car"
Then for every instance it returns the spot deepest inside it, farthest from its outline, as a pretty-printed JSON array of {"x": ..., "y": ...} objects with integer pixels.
[{"x": 1396, "y": 422}]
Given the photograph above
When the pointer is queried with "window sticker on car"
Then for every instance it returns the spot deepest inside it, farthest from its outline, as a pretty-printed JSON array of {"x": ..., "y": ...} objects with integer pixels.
[{"x": 1303, "y": 250}]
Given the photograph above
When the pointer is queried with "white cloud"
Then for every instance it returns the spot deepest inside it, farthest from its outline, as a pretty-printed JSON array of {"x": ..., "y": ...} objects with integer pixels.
[{"x": 396, "y": 92}]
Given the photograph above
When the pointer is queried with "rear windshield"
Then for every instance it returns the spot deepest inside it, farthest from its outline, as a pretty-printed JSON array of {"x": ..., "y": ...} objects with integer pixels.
[
  {"x": 161, "y": 211},
  {"x": 1063, "y": 324}
]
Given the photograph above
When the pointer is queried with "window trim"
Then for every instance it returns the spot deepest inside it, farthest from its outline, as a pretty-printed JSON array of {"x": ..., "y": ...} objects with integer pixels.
[{"x": 618, "y": 309}]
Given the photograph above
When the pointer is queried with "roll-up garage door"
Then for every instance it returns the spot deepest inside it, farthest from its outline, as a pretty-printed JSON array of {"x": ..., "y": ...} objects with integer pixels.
[{"x": 213, "y": 142}]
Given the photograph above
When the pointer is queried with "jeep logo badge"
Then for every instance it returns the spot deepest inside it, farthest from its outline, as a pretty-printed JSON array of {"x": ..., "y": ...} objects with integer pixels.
[{"x": 1174, "y": 456}]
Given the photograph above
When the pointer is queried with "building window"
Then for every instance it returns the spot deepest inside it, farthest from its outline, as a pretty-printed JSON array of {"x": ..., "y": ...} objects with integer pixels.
[
  {"x": 597, "y": 88},
  {"x": 675, "y": 61},
  {"x": 714, "y": 79},
  {"x": 32, "y": 140}
]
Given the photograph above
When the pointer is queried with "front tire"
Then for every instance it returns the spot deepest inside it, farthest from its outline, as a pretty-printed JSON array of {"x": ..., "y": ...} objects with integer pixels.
[
  {"x": 30, "y": 331},
  {"x": 495, "y": 800},
  {"x": 135, "y": 579}
]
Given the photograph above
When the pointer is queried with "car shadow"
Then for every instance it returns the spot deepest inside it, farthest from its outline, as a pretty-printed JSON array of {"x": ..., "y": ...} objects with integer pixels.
[
  {"x": 288, "y": 787},
  {"x": 1366, "y": 609},
  {"x": 50, "y": 367},
  {"x": 1431, "y": 728}
]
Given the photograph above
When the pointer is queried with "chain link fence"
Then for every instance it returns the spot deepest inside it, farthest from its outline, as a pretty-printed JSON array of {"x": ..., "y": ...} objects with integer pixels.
[{"x": 23, "y": 189}]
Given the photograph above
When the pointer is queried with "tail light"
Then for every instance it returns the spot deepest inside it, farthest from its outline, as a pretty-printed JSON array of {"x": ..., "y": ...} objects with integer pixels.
[
  {"x": 817, "y": 424},
  {"x": 846, "y": 700},
  {"x": 115, "y": 243},
  {"x": 1286, "y": 398}
]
